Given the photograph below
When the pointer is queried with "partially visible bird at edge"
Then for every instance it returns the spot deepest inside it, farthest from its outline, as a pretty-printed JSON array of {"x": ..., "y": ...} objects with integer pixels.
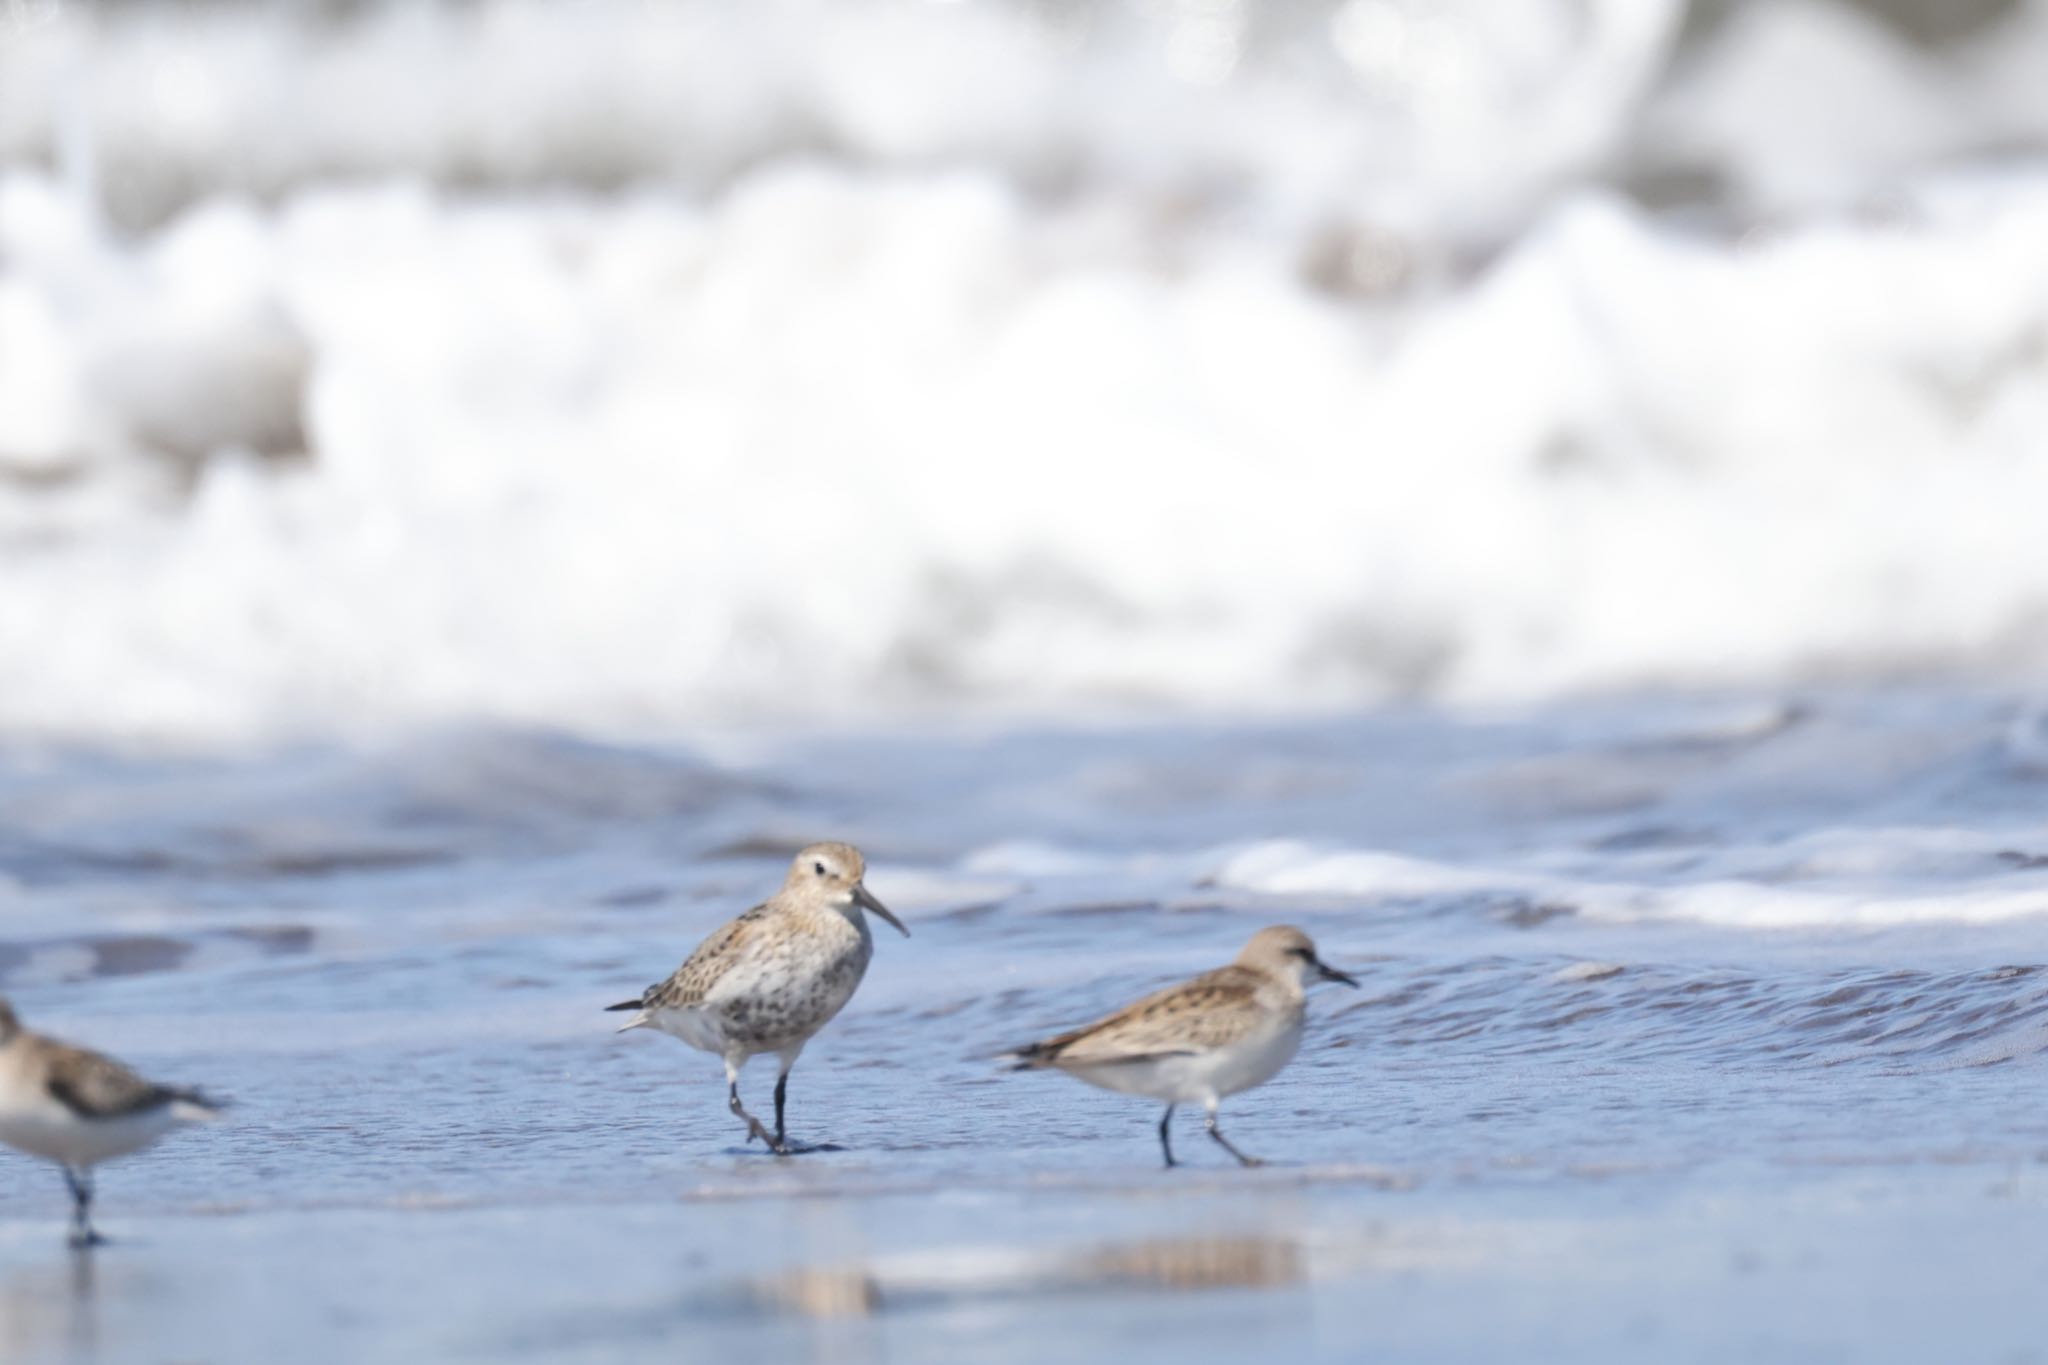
[{"x": 79, "y": 1108}]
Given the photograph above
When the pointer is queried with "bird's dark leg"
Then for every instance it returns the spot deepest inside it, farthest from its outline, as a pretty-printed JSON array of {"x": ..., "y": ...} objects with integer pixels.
[
  {"x": 783, "y": 1146},
  {"x": 80, "y": 1181},
  {"x": 1224, "y": 1143},
  {"x": 1166, "y": 1141}
]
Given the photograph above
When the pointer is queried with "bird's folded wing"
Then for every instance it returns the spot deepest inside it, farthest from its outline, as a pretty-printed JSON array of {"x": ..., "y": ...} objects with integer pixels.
[
  {"x": 691, "y": 982},
  {"x": 1214, "y": 1010},
  {"x": 96, "y": 1087}
]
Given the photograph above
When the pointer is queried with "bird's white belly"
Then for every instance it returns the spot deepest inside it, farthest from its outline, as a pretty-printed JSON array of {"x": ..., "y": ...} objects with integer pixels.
[
  {"x": 57, "y": 1134},
  {"x": 694, "y": 1027},
  {"x": 1204, "y": 1076}
]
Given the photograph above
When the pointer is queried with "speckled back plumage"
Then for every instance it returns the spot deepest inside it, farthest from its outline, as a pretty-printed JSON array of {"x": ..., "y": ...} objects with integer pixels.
[
  {"x": 1212, "y": 1010},
  {"x": 769, "y": 979},
  {"x": 688, "y": 984}
]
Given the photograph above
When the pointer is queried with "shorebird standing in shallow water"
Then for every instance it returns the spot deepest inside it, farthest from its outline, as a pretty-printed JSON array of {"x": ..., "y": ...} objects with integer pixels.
[
  {"x": 1222, "y": 1032},
  {"x": 770, "y": 979},
  {"x": 78, "y": 1108}
]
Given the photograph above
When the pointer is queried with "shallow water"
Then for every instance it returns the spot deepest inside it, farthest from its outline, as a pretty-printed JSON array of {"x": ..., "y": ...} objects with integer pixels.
[{"x": 1689, "y": 1024}]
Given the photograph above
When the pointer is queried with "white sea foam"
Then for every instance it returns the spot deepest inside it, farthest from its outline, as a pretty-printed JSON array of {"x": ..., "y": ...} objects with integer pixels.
[
  {"x": 857, "y": 437},
  {"x": 1451, "y": 118},
  {"x": 1865, "y": 878},
  {"x": 1588, "y": 971}
]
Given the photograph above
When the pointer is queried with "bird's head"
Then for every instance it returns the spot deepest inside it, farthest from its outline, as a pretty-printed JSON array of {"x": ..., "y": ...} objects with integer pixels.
[
  {"x": 831, "y": 874},
  {"x": 1289, "y": 954}
]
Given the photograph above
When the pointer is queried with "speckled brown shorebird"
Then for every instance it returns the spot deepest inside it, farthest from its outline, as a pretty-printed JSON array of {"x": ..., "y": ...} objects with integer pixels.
[
  {"x": 1215, "y": 1035},
  {"x": 78, "y": 1109},
  {"x": 769, "y": 980}
]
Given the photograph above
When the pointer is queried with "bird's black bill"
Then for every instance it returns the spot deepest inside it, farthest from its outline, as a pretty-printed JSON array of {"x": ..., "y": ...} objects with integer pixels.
[
  {"x": 867, "y": 901},
  {"x": 1329, "y": 973}
]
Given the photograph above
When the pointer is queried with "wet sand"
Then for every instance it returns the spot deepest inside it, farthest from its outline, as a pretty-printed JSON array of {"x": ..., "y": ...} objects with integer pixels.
[{"x": 1896, "y": 1264}]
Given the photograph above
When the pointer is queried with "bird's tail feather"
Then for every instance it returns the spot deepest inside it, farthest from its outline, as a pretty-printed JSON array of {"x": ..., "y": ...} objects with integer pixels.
[
  {"x": 624, "y": 1005},
  {"x": 189, "y": 1106}
]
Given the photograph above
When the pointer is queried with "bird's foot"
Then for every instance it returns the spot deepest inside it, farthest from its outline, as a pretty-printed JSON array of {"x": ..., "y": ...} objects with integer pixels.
[
  {"x": 85, "y": 1239},
  {"x": 778, "y": 1144},
  {"x": 1249, "y": 1162}
]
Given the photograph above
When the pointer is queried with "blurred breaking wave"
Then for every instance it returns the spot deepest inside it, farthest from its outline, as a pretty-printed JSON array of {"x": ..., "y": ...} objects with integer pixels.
[{"x": 626, "y": 365}]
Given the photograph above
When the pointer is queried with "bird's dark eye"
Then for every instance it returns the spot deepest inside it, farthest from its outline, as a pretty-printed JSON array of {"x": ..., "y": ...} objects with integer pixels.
[
  {"x": 818, "y": 868},
  {"x": 1304, "y": 954}
]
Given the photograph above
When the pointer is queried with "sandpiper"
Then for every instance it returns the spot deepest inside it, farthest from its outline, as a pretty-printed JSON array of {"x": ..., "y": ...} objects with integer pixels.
[
  {"x": 1219, "y": 1033},
  {"x": 78, "y": 1108},
  {"x": 769, "y": 980}
]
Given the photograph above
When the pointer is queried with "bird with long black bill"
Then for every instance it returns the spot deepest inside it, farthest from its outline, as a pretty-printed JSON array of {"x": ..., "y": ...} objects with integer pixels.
[{"x": 770, "y": 979}]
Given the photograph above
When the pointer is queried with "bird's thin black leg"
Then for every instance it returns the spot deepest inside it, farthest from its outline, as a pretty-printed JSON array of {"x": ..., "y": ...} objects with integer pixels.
[
  {"x": 783, "y": 1146},
  {"x": 1224, "y": 1143},
  {"x": 80, "y": 1181},
  {"x": 1165, "y": 1139}
]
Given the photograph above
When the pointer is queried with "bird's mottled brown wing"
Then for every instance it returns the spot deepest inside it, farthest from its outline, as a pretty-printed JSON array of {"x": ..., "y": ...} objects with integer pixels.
[
  {"x": 97, "y": 1087},
  {"x": 1213, "y": 1010},
  {"x": 689, "y": 983}
]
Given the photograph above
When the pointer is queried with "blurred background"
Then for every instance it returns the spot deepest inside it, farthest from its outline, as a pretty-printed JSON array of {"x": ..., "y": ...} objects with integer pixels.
[{"x": 629, "y": 366}]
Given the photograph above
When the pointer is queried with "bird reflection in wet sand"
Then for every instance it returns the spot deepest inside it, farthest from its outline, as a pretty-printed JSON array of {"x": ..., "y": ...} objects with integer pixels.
[
  {"x": 78, "y": 1109},
  {"x": 51, "y": 1312},
  {"x": 1220, "y": 1033},
  {"x": 1172, "y": 1263},
  {"x": 769, "y": 980}
]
